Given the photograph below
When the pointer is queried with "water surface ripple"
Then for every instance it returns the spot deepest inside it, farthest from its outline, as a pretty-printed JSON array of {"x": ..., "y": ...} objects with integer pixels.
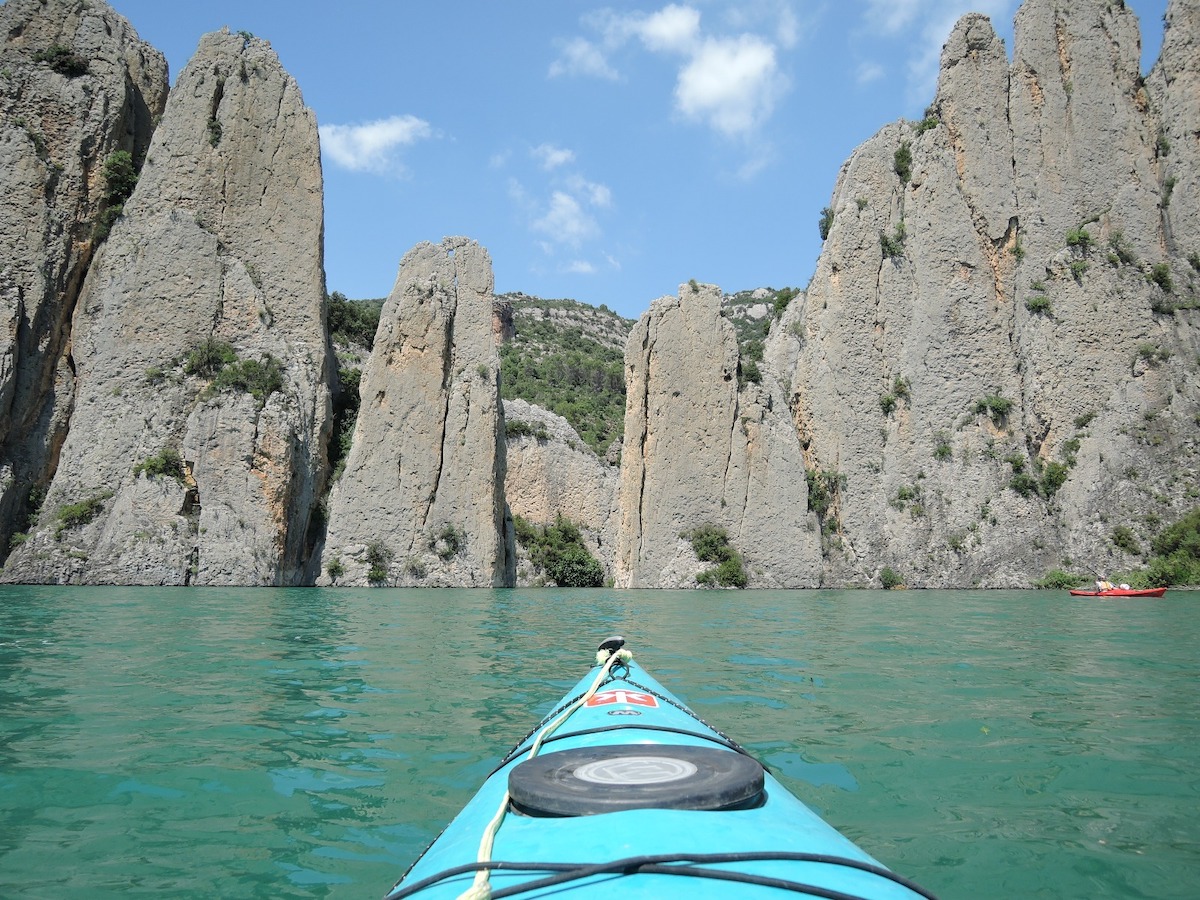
[{"x": 309, "y": 743}]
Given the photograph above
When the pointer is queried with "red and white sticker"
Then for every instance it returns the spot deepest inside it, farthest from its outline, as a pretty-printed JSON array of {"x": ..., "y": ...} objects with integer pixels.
[{"x": 633, "y": 698}]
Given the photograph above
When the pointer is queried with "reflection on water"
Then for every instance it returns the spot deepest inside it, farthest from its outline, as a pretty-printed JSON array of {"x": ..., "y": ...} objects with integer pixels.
[{"x": 309, "y": 743}]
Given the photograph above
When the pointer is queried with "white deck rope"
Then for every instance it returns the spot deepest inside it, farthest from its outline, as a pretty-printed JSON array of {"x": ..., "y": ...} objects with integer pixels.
[{"x": 481, "y": 888}]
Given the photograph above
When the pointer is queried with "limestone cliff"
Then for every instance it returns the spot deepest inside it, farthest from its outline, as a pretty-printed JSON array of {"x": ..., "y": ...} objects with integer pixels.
[
  {"x": 994, "y": 372},
  {"x": 196, "y": 446},
  {"x": 700, "y": 450},
  {"x": 421, "y": 501},
  {"x": 77, "y": 86},
  {"x": 995, "y": 364},
  {"x": 552, "y": 472},
  {"x": 1174, "y": 88}
]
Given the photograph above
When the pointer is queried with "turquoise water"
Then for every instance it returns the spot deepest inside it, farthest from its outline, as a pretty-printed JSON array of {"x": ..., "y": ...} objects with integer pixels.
[{"x": 309, "y": 743}]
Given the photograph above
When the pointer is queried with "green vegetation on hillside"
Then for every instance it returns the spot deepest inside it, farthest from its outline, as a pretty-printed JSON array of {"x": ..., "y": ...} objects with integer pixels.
[
  {"x": 736, "y": 307},
  {"x": 352, "y": 327},
  {"x": 558, "y": 551},
  {"x": 560, "y": 367},
  {"x": 345, "y": 414},
  {"x": 353, "y": 321},
  {"x": 741, "y": 310}
]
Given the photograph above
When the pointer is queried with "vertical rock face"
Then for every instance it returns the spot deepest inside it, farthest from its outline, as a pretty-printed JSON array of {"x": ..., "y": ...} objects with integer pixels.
[
  {"x": 196, "y": 448},
  {"x": 986, "y": 367},
  {"x": 421, "y": 501},
  {"x": 697, "y": 451},
  {"x": 77, "y": 86},
  {"x": 1174, "y": 85},
  {"x": 551, "y": 472}
]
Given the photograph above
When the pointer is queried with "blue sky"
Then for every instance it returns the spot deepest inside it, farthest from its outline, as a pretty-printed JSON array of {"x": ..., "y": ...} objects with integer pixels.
[{"x": 605, "y": 153}]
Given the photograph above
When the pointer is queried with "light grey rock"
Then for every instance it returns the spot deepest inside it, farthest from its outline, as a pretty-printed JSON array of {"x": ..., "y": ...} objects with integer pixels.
[
  {"x": 421, "y": 501},
  {"x": 599, "y": 324},
  {"x": 1174, "y": 85},
  {"x": 699, "y": 451},
  {"x": 552, "y": 472},
  {"x": 58, "y": 125},
  {"x": 899, "y": 364},
  {"x": 220, "y": 242},
  {"x": 1082, "y": 130}
]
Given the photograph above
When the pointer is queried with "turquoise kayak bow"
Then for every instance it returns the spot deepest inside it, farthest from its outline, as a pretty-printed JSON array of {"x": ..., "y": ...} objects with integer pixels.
[{"x": 622, "y": 790}]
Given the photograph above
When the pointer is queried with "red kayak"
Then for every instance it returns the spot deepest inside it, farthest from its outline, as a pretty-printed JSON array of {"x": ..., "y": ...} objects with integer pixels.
[{"x": 1122, "y": 592}]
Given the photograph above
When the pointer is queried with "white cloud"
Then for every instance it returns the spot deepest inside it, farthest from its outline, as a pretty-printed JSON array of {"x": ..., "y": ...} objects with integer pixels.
[
  {"x": 597, "y": 194},
  {"x": 582, "y": 57},
  {"x": 552, "y": 157},
  {"x": 566, "y": 221},
  {"x": 763, "y": 156},
  {"x": 518, "y": 194},
  {"x": 868, "y": 72},
  {"x": 371, "y": 146},
  {"x": 788, "y": 29},
  {"x": 730, "y": 83},
  {"x": 892, "y": 16},
  {"x": 780, "y": 17},
  {"x": 567, "y": 216},
  {"x": 580, "y": 267},
  {"x": 673, "y": 29}
]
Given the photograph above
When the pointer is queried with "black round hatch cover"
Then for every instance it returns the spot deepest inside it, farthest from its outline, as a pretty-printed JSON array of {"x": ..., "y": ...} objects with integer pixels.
[{"x": 589, "y": 780}]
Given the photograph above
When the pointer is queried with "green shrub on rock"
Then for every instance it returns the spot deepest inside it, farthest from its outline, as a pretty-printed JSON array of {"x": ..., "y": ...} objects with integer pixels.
[
  {"x": 902, "y": 162},
  {"x": 166, "y": 462},
  {"x": 576, "y": 567},
  {"x": 260, "y": 378},
  {"x": 209, "y": 357},
  {"x": 515, "y": 428},
  {"x": 558, "y": 551},
  {"x": 825, "y": 224},
  {"x": 711, "y": 544},
  {"x": 75, "y": 515},
  {"x": 447, "y": 542},
  {"x": 1176, "y": 550},
  {"x": 379, "y": 557},
  {"x": 994, "y": 406},
  {"x": 335, "y": 569},
  {"x": 62, "y": 60},
  {"x": 1058, "y": 580},
  {"x": 1038, "y": 304}
]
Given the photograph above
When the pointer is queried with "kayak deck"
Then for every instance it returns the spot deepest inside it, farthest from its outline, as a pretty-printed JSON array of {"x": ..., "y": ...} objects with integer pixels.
[{"x": 769, "y": 844}]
